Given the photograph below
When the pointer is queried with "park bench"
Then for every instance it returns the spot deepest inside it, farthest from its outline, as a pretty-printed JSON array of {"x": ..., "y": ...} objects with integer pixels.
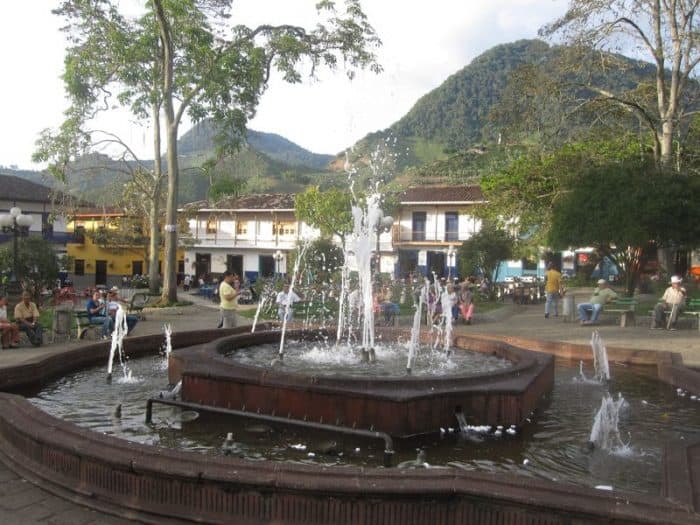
[
  {"x": 692, "y": 309},
  {"x": 623, "y": 307},
  {"x": 85, "y": 328}
]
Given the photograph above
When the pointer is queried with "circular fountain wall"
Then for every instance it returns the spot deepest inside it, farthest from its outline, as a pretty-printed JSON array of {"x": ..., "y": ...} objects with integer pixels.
[{"x": 400, "y": 406}]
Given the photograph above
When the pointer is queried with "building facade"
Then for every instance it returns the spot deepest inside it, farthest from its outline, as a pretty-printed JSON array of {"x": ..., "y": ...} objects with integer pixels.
[
  {"x": 250, "y": 235},
  {"x": 430, "y": 225},
  {"x": 105, "y": 245}
]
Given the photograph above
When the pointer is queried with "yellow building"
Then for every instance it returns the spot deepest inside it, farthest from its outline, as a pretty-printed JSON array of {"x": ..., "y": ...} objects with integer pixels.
[{"x": 106, "y": 245}]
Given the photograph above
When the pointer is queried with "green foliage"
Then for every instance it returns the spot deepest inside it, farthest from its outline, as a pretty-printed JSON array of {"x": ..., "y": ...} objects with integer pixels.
[
  {"x": 482, "y": 252},
  {"x": 522, "y": 193},
  {"x": 226, "y": 187},
  {"x": 37, "y": 263},
  {"x": 322, "y": 263},
  {"x": 620, "y": 208},
  {"x": 329, "y": 210}
]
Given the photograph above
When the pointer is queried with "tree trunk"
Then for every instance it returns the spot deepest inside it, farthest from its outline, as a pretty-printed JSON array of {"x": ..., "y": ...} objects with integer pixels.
[
  {"x": 153, "y": 248},
  {"x": 666, "y": 143},
  {"x": 170, "y": 270}
]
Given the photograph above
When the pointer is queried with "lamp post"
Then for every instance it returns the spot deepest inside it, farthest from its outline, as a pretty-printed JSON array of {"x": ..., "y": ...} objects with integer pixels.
[
  {"x": 384, "y": 224},
  {"x": 450, "y": 260},
  {"x": 278, "y": 259},
  {"x": 17, "y": 224}
]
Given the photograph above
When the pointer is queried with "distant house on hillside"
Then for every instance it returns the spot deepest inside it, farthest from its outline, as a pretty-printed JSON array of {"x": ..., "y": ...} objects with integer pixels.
[
  {"x": 250, "y": 235},
  {"x": 430, "y": 225}
]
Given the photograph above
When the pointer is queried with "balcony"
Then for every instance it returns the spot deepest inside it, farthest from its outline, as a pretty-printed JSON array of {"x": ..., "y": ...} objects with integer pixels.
[{"x": 407, "y": 236}]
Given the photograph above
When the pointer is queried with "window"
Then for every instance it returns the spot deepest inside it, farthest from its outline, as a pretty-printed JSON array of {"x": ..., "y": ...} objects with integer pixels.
[
  {"x": 79, "y": 234},
  {"x": 418, "y": 226},
  {"x": 451, "y": 226},
  {"x": 284, "y": 228},
  {"x": 241, "y": 227},
  {"x": 211, "y": 226},
  {"x": 79, "y": 266}
]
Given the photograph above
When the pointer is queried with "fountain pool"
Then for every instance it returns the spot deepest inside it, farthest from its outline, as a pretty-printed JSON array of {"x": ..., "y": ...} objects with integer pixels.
[{"x": 552, "y": 446}]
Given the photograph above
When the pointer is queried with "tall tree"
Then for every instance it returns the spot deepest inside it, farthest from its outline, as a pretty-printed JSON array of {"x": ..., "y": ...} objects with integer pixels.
[
  {"x": 665, "y": 32},
  {"x": 175, "y": 54},
  {"x": 620, "y": 210},
  {"x": 327, "y": 210},
  {"x": 484, "y": 250}
]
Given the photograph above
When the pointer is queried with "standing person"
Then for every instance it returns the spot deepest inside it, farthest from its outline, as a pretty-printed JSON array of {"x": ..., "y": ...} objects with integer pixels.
[
  {"x": 27, "y": 319},
  {"x": 601, "y": 296},
  {"x": 552, "y": 286},
  {"x": 674, "y": 300},
  {"x": 186, "y": 282},
  {"x": 10, "y": 331},
  {"x": 227, "y": 300},
  {"x": 286, "y": 298}
]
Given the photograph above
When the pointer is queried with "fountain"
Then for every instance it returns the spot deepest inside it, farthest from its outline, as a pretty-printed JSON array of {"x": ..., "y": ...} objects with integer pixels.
[
  {"x": 399, "y": 402},
  {"x": 605, "y": 434}
]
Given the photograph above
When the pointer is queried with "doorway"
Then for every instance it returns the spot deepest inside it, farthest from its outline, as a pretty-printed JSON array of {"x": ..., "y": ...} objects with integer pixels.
[
  {"x": 436, "y": 264},
  {"x": 100, "y": 272},
  {"x": 267, "y": 266},
  {"x": 234, "y": 263},
  {"x": 203, "y": 265}
]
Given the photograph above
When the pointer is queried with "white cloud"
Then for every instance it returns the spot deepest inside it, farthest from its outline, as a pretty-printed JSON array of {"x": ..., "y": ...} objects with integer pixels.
[{"x": 424, "y": 43}]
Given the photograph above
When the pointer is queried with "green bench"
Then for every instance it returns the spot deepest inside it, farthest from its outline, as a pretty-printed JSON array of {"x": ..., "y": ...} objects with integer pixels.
[
  {"x": 86, "y": 329},
  {"x": 624, "y": 307},
  {"x": 692, "y": 309}
]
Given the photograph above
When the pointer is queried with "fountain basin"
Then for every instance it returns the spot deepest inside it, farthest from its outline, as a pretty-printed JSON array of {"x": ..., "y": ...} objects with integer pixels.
[
  {"x": 400, "y": 406},
  {"x": 154, "y": 485}
]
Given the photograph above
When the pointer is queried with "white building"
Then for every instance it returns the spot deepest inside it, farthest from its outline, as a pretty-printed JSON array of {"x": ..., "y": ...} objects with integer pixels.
[
  {"x": 250, "y": 235},
  {"x": 430, "y": 225}
]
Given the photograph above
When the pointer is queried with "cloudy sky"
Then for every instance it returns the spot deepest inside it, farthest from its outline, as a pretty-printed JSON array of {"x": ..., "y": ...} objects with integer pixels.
[{"x": 424, "y": 43}]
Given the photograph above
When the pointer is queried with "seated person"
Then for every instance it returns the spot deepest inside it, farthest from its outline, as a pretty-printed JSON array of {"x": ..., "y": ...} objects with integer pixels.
[
  {"x": 465, "y": 300},
  {"x": 10, "y": 331},
  {"x": 96, "y": 309},
  {"x": 27, "y": 319},
  {"x": 601, "y": 296},
  {"x": 284, "y": 298},
  {"x": 389, "y": 309},
  {"x": 113, "y": 304},
  {"x": 673, "y": 300}
]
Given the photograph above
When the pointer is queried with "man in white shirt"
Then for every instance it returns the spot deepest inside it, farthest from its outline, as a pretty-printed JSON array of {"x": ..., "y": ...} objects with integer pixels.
[
  {"x": 674, "y": 300},
  {"x": 286, "y": 298}
]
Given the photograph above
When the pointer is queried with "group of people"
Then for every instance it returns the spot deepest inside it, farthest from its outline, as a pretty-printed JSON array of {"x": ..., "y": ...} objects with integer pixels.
[
  {"x": 26, "y": 319},
  {"x": 102, "y": 310},
  {"x": 672, "y": 301}
]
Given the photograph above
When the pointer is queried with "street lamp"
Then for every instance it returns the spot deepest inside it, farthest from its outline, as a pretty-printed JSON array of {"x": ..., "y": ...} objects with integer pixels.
[
  {"x": 450, "y": 260},
  {"x": 384, "y": 224},
  {"x": 17, "y": 224},
  {"x": 278, "y": 259}
]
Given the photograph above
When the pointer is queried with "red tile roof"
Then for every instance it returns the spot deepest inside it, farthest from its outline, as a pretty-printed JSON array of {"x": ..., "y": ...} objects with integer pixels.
[
  {"x": 442, "y": 194},
  {"x": 259, "y": 201}
]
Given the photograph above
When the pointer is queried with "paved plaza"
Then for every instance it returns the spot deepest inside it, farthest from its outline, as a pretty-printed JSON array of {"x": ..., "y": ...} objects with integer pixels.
[{"x": 21, "y": 502}]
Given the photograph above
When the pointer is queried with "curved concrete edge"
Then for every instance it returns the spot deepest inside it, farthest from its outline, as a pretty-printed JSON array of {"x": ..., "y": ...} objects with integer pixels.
[
  {"x": 153, "y": 484},
  {"x": 156, "y": 485}
]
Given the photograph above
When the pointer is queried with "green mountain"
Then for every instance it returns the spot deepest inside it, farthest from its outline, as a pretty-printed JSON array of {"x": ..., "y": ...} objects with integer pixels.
[
  {"x": 200, "y": 138},
  {"x": 455, "y": 116},
  {"x": 265, "y": 163}
]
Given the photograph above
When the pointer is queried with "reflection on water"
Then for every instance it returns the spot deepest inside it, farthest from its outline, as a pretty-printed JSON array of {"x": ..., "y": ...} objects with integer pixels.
[{"x": 552, "y": 446}]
